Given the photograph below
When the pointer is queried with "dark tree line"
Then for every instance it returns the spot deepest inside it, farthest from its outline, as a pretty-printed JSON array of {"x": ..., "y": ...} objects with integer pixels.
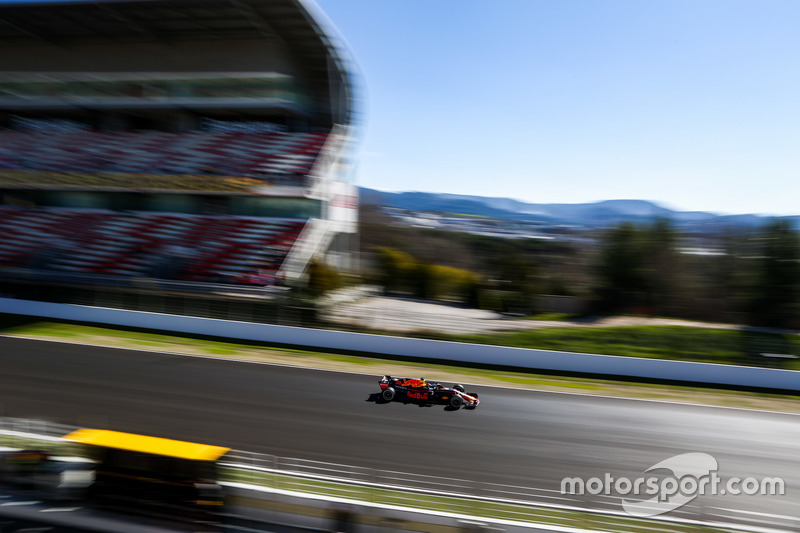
[
  {"x": 638, "y": 269},
  {"x": 753, "y": 276}
]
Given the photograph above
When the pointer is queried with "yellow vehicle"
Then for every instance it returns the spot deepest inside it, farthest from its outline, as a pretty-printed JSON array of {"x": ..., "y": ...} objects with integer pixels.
[{"x": 138, "y": 472}]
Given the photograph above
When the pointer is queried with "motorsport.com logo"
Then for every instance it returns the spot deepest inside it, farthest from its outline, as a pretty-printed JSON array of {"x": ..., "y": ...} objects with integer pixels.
[{"x": 692, "y": 475}]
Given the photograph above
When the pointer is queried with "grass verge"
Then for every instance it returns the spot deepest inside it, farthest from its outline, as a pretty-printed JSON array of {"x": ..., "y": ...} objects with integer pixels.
[{"x": 684, "y": 343}]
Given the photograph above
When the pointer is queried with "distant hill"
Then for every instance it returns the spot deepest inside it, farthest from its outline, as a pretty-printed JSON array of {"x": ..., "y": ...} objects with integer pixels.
[{"x": 597, "y": 214}]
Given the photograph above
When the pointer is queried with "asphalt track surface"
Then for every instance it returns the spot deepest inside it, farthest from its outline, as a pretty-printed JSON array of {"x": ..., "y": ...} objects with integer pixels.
[{"x": 515, "y": 437}]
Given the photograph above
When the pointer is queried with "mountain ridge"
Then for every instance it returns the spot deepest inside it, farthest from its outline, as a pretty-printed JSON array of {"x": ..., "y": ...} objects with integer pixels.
[{"x": 593, "y": 214}]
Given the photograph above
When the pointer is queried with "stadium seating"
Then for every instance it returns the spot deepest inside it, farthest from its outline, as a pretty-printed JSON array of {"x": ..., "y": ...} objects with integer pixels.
[
  {"x": 268, "y": 156},
  {"x": 186, "y": 247}
]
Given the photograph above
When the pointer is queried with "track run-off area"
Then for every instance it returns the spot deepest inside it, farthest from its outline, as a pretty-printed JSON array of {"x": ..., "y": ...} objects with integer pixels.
[{"x": 516, "y": 437}]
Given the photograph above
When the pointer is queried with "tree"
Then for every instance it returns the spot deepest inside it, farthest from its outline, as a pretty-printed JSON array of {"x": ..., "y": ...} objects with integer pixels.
[
  {"x": 322, "y": 278},
  {"x": 620, "y": 270},
  {"x": 719, "y": 285},
  {"x": 640, "y": 268},
  {"x": 452, "y": 283},
  {"x": 398, "y": 270},
  {"x": 776, "y": 291},
  {"x": 661, "y": 267},
  {"x": 401, "y": 272}
]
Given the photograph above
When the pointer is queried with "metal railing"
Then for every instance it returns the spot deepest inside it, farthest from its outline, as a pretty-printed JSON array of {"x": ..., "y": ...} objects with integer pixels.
[
  {"x": 15, "y": 431},
  {"x": 474, "y": 498}
]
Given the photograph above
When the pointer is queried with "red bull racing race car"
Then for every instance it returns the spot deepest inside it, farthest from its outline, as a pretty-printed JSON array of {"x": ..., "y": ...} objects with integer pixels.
[{"x": 426, "y": 392}]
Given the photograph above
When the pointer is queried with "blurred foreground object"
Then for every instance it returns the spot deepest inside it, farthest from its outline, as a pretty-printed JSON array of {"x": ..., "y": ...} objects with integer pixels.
[{"x": 137, "y": 472}]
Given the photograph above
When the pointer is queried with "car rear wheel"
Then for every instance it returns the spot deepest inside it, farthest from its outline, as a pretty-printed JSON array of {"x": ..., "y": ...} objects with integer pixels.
[
  {"x": 456, "y": 401},
  {"x": 388, "y": 394}
]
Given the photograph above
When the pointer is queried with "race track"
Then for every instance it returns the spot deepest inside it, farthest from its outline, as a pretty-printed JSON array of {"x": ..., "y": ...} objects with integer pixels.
[{"x": 515, "y": 437}]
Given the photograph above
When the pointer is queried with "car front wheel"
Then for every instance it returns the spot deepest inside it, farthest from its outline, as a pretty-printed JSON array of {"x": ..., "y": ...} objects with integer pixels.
[{"x": 456, "y": 402}]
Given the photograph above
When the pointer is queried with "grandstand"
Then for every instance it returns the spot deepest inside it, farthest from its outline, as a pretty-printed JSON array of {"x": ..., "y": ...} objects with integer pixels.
[{"x": 196, "y": 143}]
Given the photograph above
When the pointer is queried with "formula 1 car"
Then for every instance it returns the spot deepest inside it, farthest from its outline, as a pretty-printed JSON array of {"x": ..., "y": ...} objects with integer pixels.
[{"x": 426, "y": 392}]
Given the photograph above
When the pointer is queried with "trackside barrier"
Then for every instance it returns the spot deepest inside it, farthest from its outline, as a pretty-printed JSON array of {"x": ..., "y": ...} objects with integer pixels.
[
  {"x": 606, "y": 365},
  {"x": 387, "y": 500}
]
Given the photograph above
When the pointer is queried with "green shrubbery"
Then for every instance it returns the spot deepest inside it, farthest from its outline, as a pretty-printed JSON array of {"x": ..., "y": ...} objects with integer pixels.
[
  {"x": 322, "y": 278},
  {"x": 399, "y": 272}
]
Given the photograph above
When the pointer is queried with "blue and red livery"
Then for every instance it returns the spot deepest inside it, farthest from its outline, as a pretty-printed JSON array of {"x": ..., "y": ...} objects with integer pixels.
[{"x": 426, "y": 392}]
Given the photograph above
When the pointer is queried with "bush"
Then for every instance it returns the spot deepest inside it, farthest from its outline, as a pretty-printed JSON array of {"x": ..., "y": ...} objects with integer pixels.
[{"x": 322, "y": 278}]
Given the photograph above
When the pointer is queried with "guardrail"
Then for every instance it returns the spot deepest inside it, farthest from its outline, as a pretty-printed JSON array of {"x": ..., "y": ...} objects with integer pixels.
[
  {"x": 20, "y": 430},
  {"x": 433, "y": 493},
  {"x": 488, "y": 500}
]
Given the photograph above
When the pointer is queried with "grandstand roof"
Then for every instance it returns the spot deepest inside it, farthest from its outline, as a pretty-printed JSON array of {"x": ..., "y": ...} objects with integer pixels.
[
  {"x": 76, "y": 22},
  {"x": 73, "y": 22}
]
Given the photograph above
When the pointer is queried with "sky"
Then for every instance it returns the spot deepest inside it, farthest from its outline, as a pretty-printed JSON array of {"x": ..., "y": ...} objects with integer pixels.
[{"x": 693, "y": 104}]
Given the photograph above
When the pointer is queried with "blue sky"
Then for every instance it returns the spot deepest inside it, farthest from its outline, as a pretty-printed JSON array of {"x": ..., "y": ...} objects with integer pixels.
[{"x": 693, "y": 104}]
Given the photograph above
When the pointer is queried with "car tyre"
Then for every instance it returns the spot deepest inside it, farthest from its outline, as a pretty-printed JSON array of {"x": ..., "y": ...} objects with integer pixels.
[
  {"x": 456, "y": 401},
  {"x": 459, "y": 387},
  {"x": 388, "y": 394}
]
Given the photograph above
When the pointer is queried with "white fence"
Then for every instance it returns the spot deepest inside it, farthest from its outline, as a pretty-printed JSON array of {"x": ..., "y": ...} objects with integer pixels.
[{"x": 605, "y": 365}]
